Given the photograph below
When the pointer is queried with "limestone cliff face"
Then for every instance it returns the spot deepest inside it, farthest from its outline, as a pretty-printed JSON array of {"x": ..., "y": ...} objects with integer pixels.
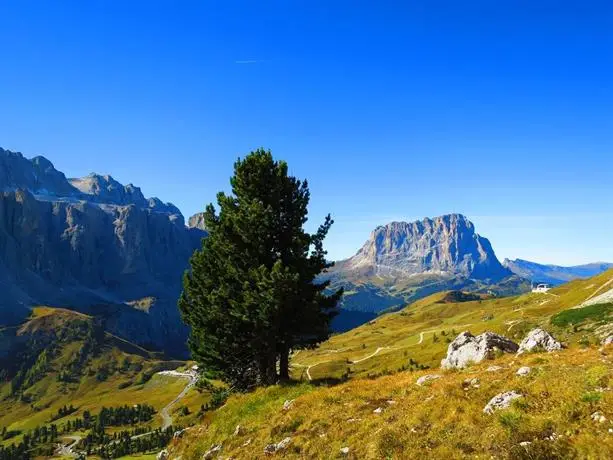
[
  {"x": 197, "y": 221},
  {"x": 445, "y": 245},
  {"x": 93, "y": 245}
]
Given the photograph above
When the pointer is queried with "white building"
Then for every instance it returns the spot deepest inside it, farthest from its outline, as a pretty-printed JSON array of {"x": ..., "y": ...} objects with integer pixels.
[{"x": 541, "y": 287}]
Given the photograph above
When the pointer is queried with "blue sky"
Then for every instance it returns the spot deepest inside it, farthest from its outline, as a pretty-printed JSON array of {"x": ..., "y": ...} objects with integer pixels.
[{"x": 502, "y": 111}]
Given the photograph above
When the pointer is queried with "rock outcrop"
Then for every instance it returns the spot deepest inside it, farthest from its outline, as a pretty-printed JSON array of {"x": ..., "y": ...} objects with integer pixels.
[
  {"x": 93, "y": 245},
  {"x": 197, "y": 221},
  {"x": 466, "y": 349},
  {"x": 539, "y": 339}
]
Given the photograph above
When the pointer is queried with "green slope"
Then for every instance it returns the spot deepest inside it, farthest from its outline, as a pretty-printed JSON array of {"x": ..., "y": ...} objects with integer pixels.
[
  {"x": 565, "y": 410},
  {"x": 59, "y": 358},
  {"x": 421, "y": 331}
]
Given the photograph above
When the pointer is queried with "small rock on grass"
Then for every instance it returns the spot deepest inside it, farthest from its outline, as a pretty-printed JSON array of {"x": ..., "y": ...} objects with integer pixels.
[
  {"x": 287, "y": 405},
  {"x": 468, "y": 383},
  {"x": 345, "y": 450},
  {"x": 210, "y": 454},
  {"x": 501, "y": 401},
  {"x": 598, "y": 417},
  {"x": 378, "y": 410},
  {"x": 421, "y": 381},
  {"x": 281, "y": 445},
  {"x": 523, "y": 371}
]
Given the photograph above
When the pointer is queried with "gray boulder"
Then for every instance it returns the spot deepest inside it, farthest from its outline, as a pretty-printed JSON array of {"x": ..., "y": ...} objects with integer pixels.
[
  {"x": 466, "y": 349},
  {"x": 539, "y": 339},
  {"x": 501, "y": 401}
]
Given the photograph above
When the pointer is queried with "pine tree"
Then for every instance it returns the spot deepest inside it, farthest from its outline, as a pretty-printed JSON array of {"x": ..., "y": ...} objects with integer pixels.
[{"x": 251, "y": 295}]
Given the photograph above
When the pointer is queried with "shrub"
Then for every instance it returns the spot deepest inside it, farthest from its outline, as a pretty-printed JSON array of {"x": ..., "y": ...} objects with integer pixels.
[{"x": 576, "y": 316}]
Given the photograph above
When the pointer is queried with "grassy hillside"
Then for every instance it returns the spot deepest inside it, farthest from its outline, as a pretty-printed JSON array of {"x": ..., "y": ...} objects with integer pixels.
[
  {"x": 418, "y": 335},
  {"x": 565, "y": 410},
  {"x": 61, "y": 358},
  {"x": 442, "y": 420}
]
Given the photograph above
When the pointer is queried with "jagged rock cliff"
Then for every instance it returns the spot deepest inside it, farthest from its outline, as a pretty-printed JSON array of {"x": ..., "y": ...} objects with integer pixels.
[
  {"x": 197, "y": 221},
  {"x": 405, "y": 261},
  {"x": 445, "y": 245},
  {"x": 94, "y": 245}
]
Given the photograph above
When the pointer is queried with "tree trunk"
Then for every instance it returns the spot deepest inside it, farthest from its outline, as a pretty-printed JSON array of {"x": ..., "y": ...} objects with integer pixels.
[
  {"x": 284, "y": 364},
  {"x": 268, "y": 371}
]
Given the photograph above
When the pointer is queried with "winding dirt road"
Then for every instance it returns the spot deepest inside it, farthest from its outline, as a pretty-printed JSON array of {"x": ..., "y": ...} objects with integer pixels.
[{"x": 165, "y": 412}]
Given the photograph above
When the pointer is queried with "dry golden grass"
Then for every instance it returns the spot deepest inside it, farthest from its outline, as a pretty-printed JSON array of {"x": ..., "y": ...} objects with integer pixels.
[{"x": 442, "y": 420}]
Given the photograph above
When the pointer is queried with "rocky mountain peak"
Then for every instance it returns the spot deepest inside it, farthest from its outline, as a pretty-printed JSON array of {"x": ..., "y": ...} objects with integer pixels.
[
  {"x": 40, "y": 178},
  {"x": 94, "y": 245},
  {"x": 445, "y": 245},
  {"x": 197, "y": 221}
]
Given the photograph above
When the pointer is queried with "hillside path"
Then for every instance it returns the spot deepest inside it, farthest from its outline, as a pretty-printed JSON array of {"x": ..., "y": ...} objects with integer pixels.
[
  {"x": 165, "y": 412},
  {"x": 369, "y": 356},
  {"x": 421, "y": 334}
]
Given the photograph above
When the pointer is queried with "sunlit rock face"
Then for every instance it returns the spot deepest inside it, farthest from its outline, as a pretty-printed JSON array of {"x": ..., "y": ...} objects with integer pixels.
[{"x": 94, "y": 245}]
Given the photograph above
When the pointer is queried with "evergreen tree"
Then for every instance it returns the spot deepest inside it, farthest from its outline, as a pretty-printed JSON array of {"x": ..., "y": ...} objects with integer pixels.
[{"x": 251, "y": 296}]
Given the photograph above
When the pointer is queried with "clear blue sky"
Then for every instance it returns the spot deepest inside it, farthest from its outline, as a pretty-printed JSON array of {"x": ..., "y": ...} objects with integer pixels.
[{"x": 393, "y": 112}]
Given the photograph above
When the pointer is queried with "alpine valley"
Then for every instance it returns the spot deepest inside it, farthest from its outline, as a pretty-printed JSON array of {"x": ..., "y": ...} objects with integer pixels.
[
  {"x": 94, "y": 362},
  {"x": 101, "y": 248}
]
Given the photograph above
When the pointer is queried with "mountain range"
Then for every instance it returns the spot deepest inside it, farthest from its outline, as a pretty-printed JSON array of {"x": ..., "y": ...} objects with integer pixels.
[
  {"x": 102, "y": 248},
  {"x": 93, "y": 245},
  {"x": 554, "y": 274}
]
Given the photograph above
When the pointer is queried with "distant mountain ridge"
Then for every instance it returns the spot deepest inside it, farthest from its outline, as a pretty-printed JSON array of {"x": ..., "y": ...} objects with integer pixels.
[
  {"x": 554, "y": 274},
  {"x": 93, "y": 245},
  {"x": 40, "y": 178}
]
